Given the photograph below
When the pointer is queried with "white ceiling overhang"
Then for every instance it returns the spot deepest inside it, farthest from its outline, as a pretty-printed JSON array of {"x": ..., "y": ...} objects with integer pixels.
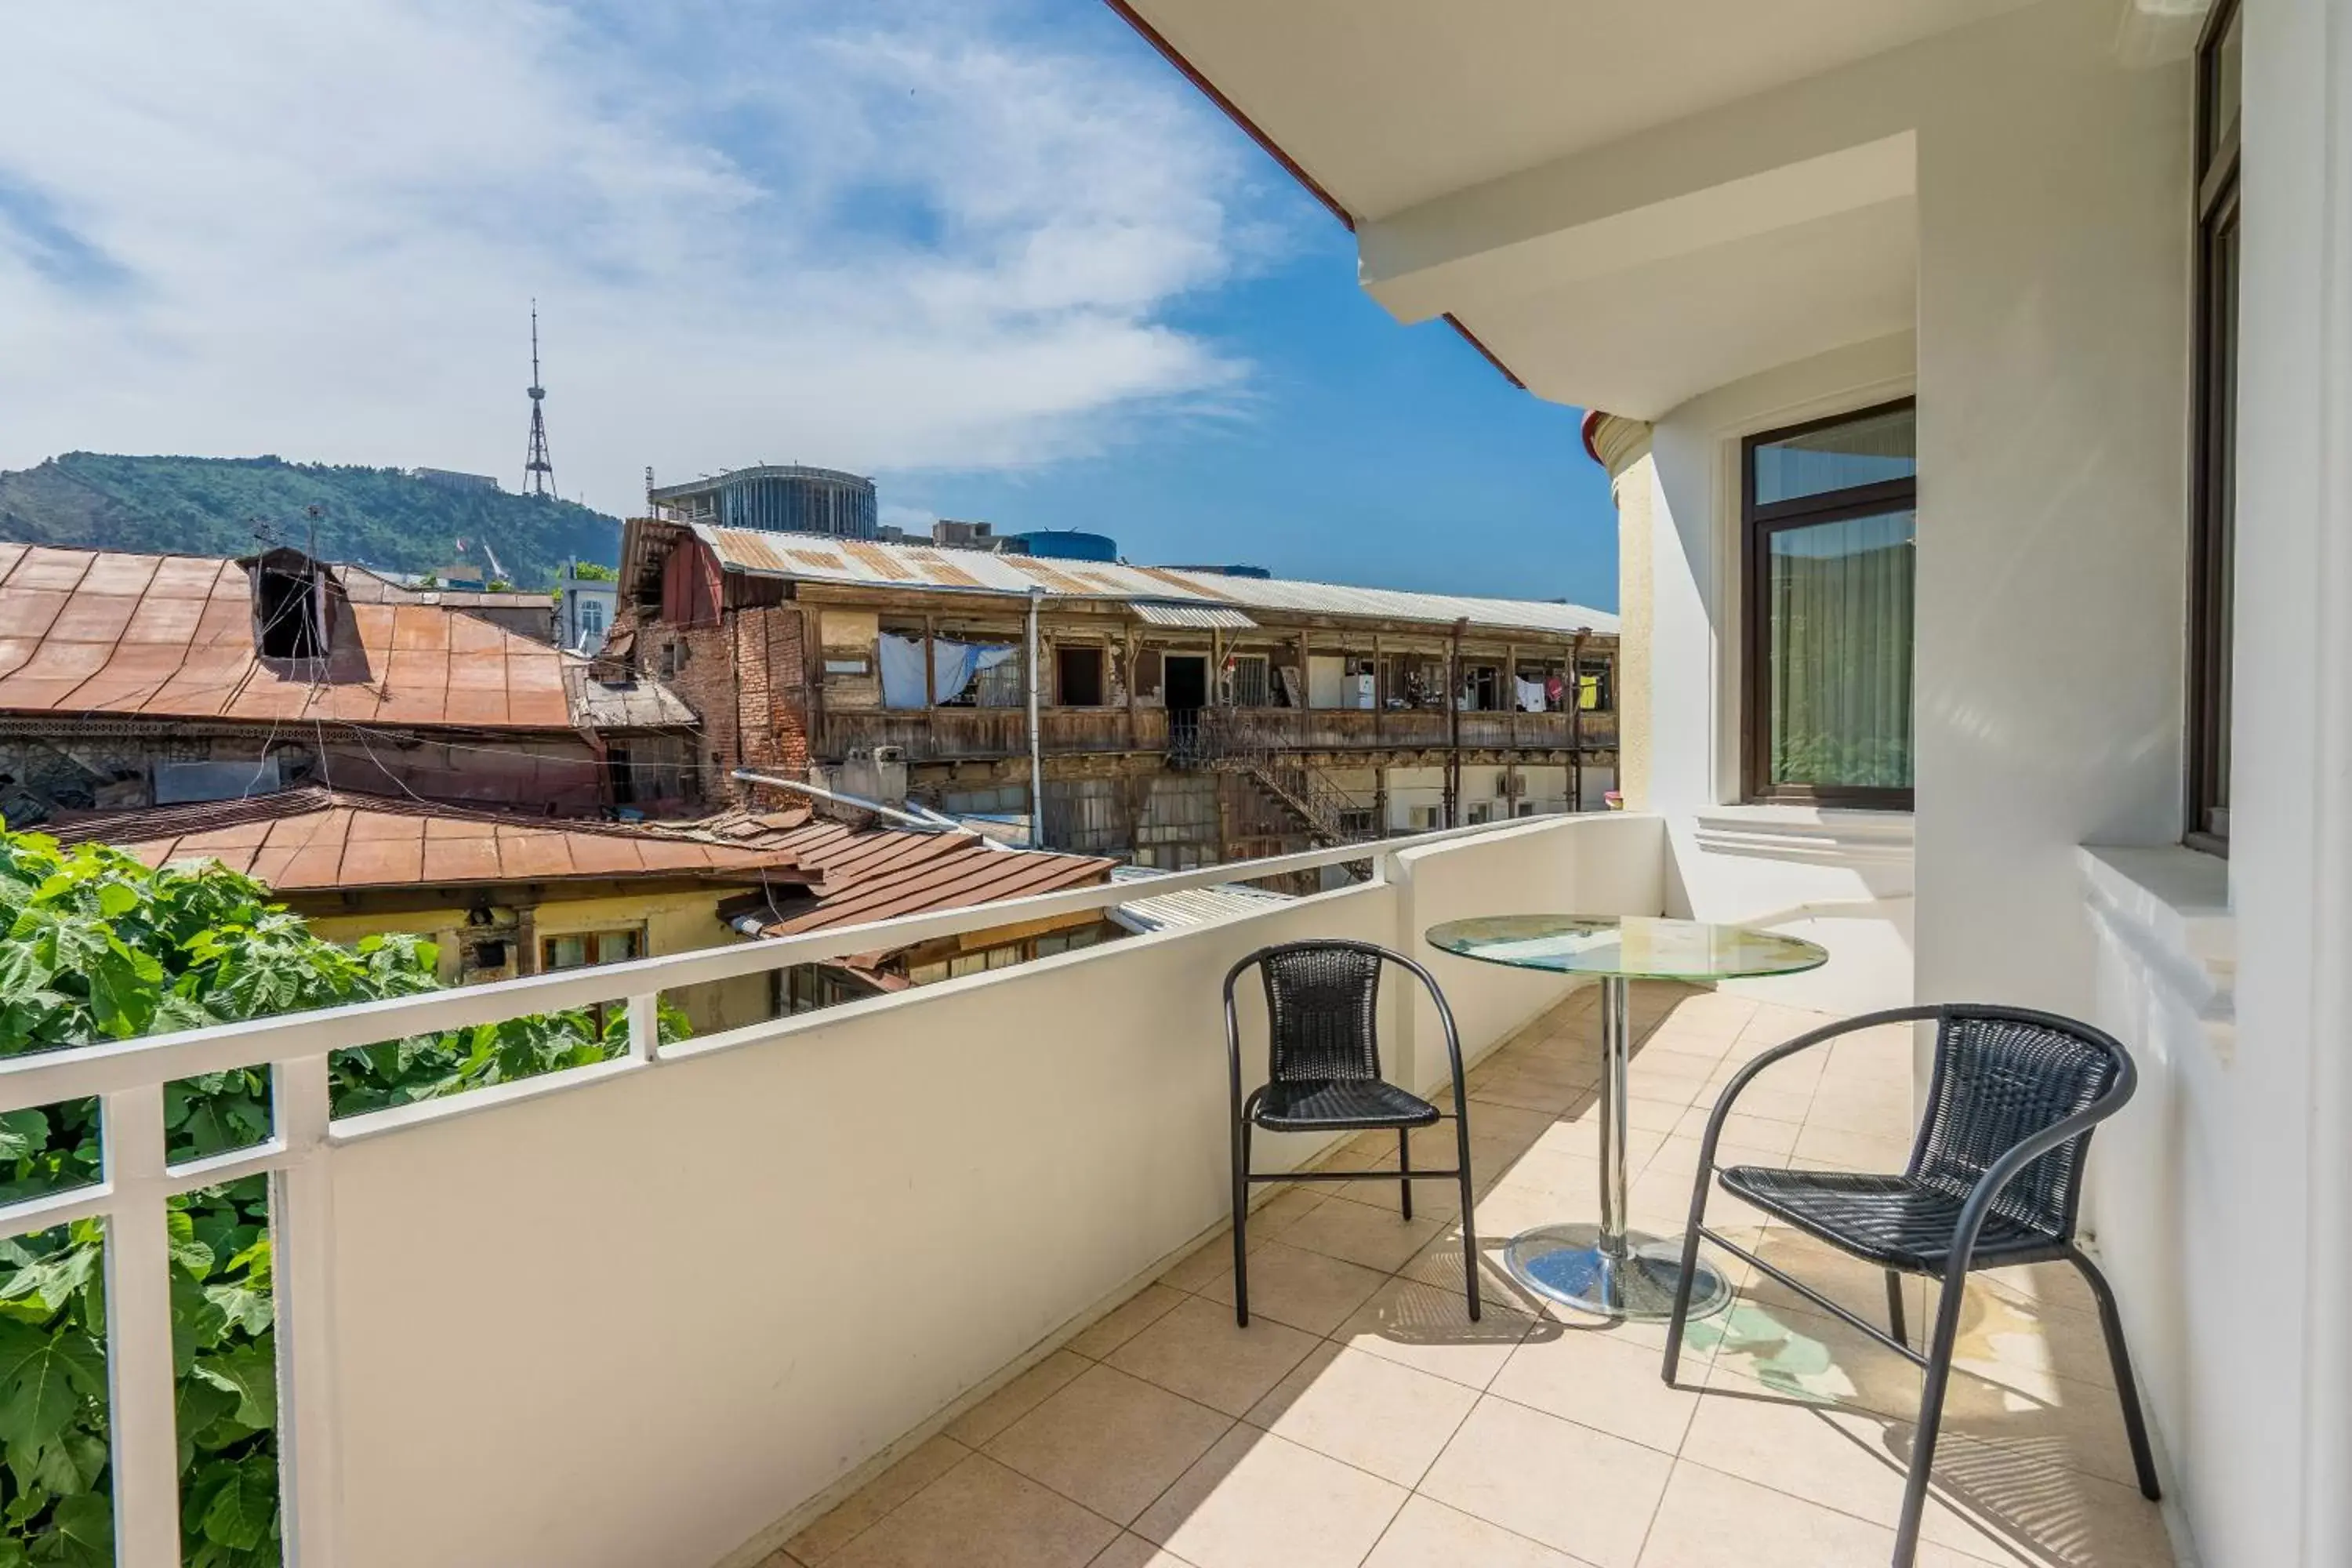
[{"x": 1625, "y": 202}]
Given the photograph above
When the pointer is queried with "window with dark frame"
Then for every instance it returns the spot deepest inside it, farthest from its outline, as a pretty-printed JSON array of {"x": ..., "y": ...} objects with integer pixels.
[
  {"x": 1078, "y": 676},
  {"x": 2213, "y": 513},
  {"x": 1828, "y": 520}
]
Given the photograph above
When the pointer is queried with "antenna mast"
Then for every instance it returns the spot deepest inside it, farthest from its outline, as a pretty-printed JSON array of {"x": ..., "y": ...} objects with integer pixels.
[{"x": 538, "y": 472}]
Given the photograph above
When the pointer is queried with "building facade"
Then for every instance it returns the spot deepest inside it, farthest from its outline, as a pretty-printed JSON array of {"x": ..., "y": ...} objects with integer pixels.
[
  {"x": 1183, "y": 718},
  {"x": 788, "y": 497}
]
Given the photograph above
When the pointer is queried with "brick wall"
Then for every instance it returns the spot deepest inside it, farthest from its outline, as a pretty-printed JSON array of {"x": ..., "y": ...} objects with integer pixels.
[{"x": 745, "y": 679}]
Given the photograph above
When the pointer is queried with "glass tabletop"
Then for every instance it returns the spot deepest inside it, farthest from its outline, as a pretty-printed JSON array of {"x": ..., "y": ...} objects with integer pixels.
[{"x": 1639, "y": 947}]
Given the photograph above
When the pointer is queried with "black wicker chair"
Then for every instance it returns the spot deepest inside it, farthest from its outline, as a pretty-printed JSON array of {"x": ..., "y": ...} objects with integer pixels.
[
  {"x": 1995, "y": 1179},
  {"x": 1323, "y": 1074}
]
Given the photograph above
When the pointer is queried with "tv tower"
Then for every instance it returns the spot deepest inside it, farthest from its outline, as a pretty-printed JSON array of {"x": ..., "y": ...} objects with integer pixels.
[{"x": 538, "y": 472}]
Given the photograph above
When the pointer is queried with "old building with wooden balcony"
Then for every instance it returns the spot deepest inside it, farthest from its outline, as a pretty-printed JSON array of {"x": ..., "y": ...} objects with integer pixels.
[{"x": 1182, "y": 717}]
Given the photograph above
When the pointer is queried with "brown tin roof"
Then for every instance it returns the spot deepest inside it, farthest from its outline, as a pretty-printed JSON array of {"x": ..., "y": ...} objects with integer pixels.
[
  {"x": 101, "y": 632},
  {"x": 315, "y": 839}
]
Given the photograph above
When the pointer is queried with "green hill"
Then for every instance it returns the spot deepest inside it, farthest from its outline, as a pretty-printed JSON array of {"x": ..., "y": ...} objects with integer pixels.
[{"x": 378, "y": 517}]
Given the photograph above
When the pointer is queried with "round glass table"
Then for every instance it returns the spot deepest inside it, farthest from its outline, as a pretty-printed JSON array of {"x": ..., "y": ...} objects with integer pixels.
[{"x": 1607, "y": 1267}]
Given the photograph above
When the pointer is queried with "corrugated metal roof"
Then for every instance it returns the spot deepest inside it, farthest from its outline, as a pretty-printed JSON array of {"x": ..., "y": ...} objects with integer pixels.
[
  {"x": 320, "y": 840},
  {"x": 854, "y": 875},
  {"x": 1195, "y": 907},
  {"x": 1203, "y": 616},
  {"x": 821, "y": 558},
  {"x": 100, "y": 632}
]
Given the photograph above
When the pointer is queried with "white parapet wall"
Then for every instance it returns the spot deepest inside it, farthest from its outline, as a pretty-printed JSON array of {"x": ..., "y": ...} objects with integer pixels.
[{"x": 652, "y": 1316}]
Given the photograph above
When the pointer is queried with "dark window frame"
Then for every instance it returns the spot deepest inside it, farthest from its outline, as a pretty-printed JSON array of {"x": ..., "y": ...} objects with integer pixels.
[
  {"x": 1758, "y": 523},
  {"x": 2213, "y": 523}
]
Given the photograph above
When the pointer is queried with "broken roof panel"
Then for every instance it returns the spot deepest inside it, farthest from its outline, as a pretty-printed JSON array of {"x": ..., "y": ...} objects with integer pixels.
[{"x": 822, "y": 558}]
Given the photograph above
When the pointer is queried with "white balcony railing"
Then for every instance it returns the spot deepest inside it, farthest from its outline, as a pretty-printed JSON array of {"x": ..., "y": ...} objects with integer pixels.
[{"x": 647, "y": 1310}]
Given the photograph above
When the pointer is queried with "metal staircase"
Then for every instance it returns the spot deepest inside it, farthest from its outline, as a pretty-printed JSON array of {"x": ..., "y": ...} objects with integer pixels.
[{"x": 1227, "y": 741}]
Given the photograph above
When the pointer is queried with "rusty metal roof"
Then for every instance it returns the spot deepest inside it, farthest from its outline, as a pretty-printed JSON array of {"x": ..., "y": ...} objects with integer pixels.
[
  {"x": 859, "y": 874},
  {"x": 100, "y": 632},
  {"x": 315, "y": 839},
  {"x": 822, "y": 558}
]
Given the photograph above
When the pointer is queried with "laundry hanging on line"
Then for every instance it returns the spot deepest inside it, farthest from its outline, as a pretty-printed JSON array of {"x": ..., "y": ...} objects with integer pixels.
[{"x": 954, "y": 667}]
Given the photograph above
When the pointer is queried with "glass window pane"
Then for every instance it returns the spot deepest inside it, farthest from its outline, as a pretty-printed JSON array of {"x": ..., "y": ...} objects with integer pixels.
[
  {"x": 1839, "y": 671},
  {"x": 567, "y": 951},
  {"x": 1866, "y": 451}
]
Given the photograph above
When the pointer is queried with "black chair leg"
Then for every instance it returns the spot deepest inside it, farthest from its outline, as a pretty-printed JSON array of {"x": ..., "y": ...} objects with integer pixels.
[
  {"x": 2126, "y": 1390},
  {"x": 1404, "y": 1166},
  {"x": 1895, "y": 1308},
  {"x": 1241, "y": 1219},
  {"x": 1931, "y": 1418},
  {"x": 1469, "y": 1229},
  {"x": 1680, "y": 1317}
]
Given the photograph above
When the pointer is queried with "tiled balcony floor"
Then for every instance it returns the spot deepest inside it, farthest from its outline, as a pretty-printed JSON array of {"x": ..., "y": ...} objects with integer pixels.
[{"x": 1363, "y": 1420}]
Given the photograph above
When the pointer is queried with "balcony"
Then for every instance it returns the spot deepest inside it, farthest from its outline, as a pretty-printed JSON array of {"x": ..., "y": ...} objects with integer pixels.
[{"x": 937, "y": 1278}]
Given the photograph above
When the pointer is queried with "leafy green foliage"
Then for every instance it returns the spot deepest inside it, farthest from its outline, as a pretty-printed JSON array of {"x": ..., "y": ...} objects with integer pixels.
[
  {"x": 210, "y": 506},
  {"x": 98, "y": 946}
]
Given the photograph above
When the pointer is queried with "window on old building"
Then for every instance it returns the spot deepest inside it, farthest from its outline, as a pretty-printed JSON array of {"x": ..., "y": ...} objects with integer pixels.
[
  {"x": 581, "y": 949},
  {"x": 2213, "y": 528},
  {"x": 1250, "y": 680},
  {"x": 1828, "y": 510},
  {"x": 1078, "y": 677}
]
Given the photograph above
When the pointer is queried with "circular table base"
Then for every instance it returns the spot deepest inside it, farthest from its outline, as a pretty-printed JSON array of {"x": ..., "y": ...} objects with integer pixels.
[{"x": 1566, "y": 1263}]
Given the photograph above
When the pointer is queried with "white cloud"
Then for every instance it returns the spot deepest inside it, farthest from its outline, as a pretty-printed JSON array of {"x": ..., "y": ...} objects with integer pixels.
[{"x": 878, "y": 233}]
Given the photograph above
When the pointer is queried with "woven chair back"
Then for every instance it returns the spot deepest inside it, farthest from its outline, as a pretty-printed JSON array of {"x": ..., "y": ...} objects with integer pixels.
[
  {"x": 1321, "y": 1004},
  {"x": 2000, "y": 1079}
]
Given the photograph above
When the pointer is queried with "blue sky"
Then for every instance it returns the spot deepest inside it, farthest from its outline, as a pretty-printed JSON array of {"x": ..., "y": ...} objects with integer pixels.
[{"x": 995, "y": 252}]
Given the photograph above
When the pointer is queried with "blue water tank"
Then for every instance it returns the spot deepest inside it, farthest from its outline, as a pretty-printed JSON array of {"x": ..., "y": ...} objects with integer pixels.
[{"x": 1068, "y": 544}]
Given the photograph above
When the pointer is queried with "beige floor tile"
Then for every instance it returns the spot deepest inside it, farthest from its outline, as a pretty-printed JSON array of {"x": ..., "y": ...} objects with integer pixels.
[
  {"x": 1714, "y": 1521},
  {"x": 1440, "y": 1263},
  {"x": 1362, "y": 1234},
  {"x": 1196, "y": 1351},
  {"x": 1366, "y": 1411},
  {"x": 1819, "y": 1145},
  {"x": 2009, "y": 1508},
  {"x": 1849, "y": 1459},
  {"x": 1999, "y": 1338},
  {"x": 1744, "y": 1128},
  {"x": 1126, "y": 1321},
  {"x": 1280, "y": 1212},
  {"x": 1572, "y": 1178},
  {"x": 1109, "y": 1441},
  {"x": 1505, "y": 1121},
  {"x": 1428, "y": 1534},
  {"x": 1438, "y": 1200},
  {"x": 1818, "y": 1360},
  {"x": 1596, "y": 1379},
  {"x": 1305, "y": 1289},
  {"x": 863, "y": 1509},
  {"x": 1858, "y": 1287},
  {"x": 1877, "y": 1107},
  {"x": 1206, "y": 1261},
  {"x": 1134, "y": 1551},
  {"x": 981, "y": 1515},
  {"x": 1429, "y": 1330},
  {"x": 1574, "y": 1490},
  {"x": 1659, "y": 1116},
  {"x": 1256, "y": 1500},
  {"x": 1015, "y": 1399},
  {"x": 2078, "y": 1426},
  {"x": 1526, "y": 1092}
]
